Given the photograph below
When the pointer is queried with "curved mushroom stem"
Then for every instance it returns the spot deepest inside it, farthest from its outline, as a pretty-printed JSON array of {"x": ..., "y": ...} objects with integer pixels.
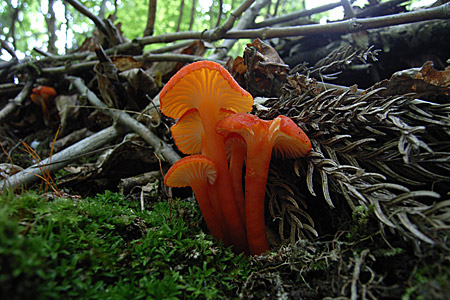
[
  {"x": 237, "y": 150},
  {"x": 257, "y": 169},
  {"x": 209, "y": 214},
  {"x": 224, "y": 185}
]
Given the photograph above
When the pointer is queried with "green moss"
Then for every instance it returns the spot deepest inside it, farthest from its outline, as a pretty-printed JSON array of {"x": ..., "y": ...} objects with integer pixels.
[{"x": 106, "y": 248}]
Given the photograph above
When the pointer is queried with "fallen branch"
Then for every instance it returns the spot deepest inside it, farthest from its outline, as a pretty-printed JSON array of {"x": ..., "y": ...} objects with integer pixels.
[
  {"x": 17, "y": 101},
  {"x": 61, "y": 159},
  {"x": 296, "y": 15},
  {"x": 347, "y": 26},
  {"x": 126, "y": 120}
]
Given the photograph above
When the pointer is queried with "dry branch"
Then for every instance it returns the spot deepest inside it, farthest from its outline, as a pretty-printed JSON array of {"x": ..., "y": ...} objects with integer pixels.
[
  {"x": 17, "y": 101},
  {"x": 352, "y": 25},
  {"x": 296, "y": 15},
  {"x": 348, "y": 26},
  {"x": 82, "y": 9},
  {"x": 124, "y": 119},
  {"x": 61, "y": 159}
]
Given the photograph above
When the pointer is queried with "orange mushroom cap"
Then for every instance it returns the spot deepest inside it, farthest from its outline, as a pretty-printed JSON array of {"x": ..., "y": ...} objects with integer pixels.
[
  {"x": 203, "y": 83},
  {"x": 188, "y": 132},
  {"x": 41, "y": 95},
  {"x": 199, "y": 172},
  {"x": 44, "y": 91},
  {"x": 287, "y": 139},
  {"x": 191, "y": 170}
]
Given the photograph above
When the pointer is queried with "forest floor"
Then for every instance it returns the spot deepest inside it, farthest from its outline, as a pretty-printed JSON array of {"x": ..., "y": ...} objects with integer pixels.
[{"x": 103, "y": 245}]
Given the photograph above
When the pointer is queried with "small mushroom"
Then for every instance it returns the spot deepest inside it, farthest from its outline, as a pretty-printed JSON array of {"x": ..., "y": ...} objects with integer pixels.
[
  {"x": 41, "y": 95},
  {"x": 281, "y": 135},
  {"x": 200, "y": 173}
]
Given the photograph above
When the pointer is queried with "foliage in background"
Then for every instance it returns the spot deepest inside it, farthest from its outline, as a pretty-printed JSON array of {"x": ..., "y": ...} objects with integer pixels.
[{"x": 31, "y": 29}]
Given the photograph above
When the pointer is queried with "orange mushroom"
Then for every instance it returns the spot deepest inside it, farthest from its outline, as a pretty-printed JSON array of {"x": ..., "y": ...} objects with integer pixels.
[
  {"x": 41, "y": 95},
  {"x": 281, "y": 135},
  {"x": 198, "y": 172},
  {"x": 207, "y": 87}
]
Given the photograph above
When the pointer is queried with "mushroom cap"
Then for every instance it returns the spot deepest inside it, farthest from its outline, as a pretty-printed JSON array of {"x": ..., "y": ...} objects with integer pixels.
[
  {"x": 233, "y": 140},
  {"x": 191, "y": 170},
  {"x": 288, "y": 140},
  {"x": 188, "y": 132},
  {"x": 203, "y": 83},
  {"x": 44, "y": 90}
]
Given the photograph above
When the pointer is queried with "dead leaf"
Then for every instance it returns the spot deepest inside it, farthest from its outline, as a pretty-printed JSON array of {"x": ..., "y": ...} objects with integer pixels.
[
  {"x": 168, "y": 69},
  {"x": 264, "y": 70},
  {"x": 125, "y": 63},
  {"x": 68, "y": 109},
  {"x": 434, "y": 77}
]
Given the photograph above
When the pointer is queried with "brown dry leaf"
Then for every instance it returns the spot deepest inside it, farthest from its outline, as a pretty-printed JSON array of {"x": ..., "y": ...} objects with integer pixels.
[
  {"x": 431, "y": 76},
  {"x": 424, "y": 81},
  {"x": 168, "y": 68},
  {"x": 108, "y": 84},
  {"x": 266, "y": 52},
  {"x": 139, "y": 84},
  {"x": 265, "y": 70},
  {"x": 67, "y": 107},
  {"x": 125, "y": 63}
]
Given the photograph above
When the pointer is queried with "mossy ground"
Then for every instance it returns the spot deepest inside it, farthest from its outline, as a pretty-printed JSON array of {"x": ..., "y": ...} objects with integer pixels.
[{"x": 105, "y": 247}]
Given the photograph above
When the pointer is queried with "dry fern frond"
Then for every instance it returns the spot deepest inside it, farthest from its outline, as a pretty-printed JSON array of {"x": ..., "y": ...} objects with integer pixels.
[
  {"x": 287, "y": 209},
  {"x": 338, "y": 60},
  {"x": 386, "y": 153}
]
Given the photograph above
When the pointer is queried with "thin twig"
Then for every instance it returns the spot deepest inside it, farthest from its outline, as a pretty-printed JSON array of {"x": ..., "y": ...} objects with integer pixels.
[
  {"x": 83, "y": 9},
  {"x": 219, "y": 17},
  {"x": 191, "y": 21},
  {"x": 180, "y": 16}
]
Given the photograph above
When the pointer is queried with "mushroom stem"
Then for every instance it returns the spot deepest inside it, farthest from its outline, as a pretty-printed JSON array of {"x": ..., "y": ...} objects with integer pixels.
[
  {"x": 215, "y": 149},
  {"x": 208, "y": 212},
  {"x": 237, "y": 152},
  {"x": 200, "y": 173},
  {"x": 214, "y": 202},
  {"x": 257, "y": 169}
]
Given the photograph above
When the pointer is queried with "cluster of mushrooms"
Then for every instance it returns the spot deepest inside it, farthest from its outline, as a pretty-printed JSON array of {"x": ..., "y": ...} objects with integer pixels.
[{"x": 216, "y": 130}]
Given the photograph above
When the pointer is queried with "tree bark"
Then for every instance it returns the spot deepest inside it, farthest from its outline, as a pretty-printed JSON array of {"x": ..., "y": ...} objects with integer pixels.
[{"x": 50, "y": 19}]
